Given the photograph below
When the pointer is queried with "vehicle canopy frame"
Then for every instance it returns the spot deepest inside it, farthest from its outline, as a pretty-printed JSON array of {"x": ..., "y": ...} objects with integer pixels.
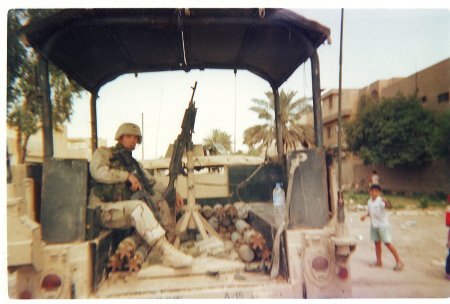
[{"x": 95, "y": 46}]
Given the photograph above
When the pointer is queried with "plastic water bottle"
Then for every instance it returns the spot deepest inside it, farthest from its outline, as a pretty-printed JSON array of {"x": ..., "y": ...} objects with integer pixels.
[{"x": 279, "y": 205}]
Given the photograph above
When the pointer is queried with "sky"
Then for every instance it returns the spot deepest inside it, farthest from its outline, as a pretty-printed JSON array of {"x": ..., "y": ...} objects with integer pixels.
[{"x": 379, "y": 43}]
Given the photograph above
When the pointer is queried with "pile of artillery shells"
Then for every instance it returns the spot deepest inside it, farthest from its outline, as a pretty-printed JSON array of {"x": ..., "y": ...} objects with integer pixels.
[
  {"x": 230, "y": 222},
  {"x": 130, "y": 254}
]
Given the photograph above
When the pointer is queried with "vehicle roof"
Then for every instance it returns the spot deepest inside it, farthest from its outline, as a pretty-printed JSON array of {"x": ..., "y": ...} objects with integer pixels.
[{"x": 95, "y": 46}]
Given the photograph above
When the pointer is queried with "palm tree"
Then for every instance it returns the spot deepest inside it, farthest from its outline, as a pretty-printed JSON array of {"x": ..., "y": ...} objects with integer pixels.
[
  {"x": 293, "y": 133},
  {"x": 218, "y": 137}
]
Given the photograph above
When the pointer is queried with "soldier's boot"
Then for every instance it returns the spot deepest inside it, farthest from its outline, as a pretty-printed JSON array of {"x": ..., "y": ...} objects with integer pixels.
[
  {"x": 171, "y": 256},
  {"x": 154, "y": 235}
]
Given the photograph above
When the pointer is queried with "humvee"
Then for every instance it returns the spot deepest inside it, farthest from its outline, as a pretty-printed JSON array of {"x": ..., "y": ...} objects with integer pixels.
[{"x": 57, "y": 248}]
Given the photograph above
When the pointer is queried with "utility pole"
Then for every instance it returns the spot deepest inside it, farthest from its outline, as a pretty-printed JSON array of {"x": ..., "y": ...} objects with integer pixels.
[
  {"x": 142, "y": 138},
  {"x": 340, "y": 202}
]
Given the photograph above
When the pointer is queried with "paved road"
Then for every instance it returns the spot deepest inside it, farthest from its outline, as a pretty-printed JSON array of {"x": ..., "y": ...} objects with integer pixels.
[{"x": 420, "y": 238}]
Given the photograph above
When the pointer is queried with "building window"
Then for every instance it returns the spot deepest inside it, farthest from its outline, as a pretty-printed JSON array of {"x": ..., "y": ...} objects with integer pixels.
[
  {"x": 374, "y": 95},
  {"x": 424, "y": 99},
  {"x": 329, "y": 132},
  {"x": 443, "y": 97}
]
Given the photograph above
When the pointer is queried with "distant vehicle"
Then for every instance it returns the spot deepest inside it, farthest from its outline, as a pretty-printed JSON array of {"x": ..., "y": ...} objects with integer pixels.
[{"x": 57, "y": 249}]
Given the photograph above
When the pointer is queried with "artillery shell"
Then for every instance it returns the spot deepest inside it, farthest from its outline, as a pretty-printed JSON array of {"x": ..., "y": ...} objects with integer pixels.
[
  {"x": 231, "y": 228},
  {"x": 135, "y": 262},
  {"x": 263, "y": 254},
  {"x": 247, "y": 234},
  {"x": 242, "y": 210},
  {"x": 217, "y": 207},
  {"x": 115, "y": 262},
  {"x": 226, "y": 221},
  {"x": 214, "y": 222},
  {"x": 246, "y": 253},
  {"x": 222, "y": 229},
  {"x": 241, "y": 224},
  {"x": 128, "y": 245},
  {"x": 219, "y": 212},
  {"x": 207, "y": 211},
  {"x": 236, "y": 236},
  {"x": 230, "y": 209},
  {"x": 225, "y": 235},
  {"x": 142, "y": 251},
  {"x": 257, "y": 241}
]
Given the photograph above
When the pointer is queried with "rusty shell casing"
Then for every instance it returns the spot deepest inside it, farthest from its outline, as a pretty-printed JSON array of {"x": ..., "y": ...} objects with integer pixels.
[
  {"x": 128, "y": 246},
  {"x": 214, "y": 222},
  {"x": 226, "y": 221},
  {"x": 219, "y": 212},
  {"x": 236, "y": 236},
  {"x": 231, "y": 228},
  {"x": 207, "y": 212},
  {"x": 115, "y": 262},
  {"x": 257, "y": 241}
]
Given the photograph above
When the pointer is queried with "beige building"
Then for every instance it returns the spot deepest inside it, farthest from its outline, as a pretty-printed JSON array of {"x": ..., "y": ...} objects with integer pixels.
[
  {"x": 349, "y": 107},
  {"x": 63, "y": 147},
  {"x": 432, "y": 86}
]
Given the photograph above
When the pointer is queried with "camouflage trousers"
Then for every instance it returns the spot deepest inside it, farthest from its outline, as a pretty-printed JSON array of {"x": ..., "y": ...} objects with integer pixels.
[{"x": 127, "y": 214}]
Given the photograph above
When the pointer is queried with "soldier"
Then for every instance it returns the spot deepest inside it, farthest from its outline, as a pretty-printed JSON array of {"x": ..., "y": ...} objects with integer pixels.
[{"x": 114, "y": 186}]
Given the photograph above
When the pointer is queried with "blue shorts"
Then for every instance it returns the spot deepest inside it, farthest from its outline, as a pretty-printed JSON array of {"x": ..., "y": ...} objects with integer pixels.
[{"x": 382, "y": 234}]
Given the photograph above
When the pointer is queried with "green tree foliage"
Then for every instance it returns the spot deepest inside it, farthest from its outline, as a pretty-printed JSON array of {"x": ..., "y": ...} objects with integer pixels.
[
  {"x": 394, "y": 132},
  {"x": 219, "y": 137},
  {"x": 293, "y": 133},
  {"x": 441, "y": 136},
  {"x": 15, "y": 52},
  {"x": 24, "y": 98}
]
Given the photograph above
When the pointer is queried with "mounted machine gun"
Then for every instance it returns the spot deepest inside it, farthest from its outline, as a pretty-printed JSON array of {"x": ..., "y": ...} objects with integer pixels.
[
  {"x": 191, "y": 218},
  {"x": 180, "y": 144}
]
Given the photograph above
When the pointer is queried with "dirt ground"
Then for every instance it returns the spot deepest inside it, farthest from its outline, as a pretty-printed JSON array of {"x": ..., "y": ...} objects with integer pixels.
[{"x": 420, "y": 237}]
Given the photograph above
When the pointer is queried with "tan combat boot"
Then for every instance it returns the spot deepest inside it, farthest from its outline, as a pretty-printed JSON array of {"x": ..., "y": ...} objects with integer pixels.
[{"x": 171, "y": 256}]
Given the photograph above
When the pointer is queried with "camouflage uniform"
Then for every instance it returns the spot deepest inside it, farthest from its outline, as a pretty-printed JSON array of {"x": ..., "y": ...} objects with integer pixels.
[{"x": 111, "y": 192}]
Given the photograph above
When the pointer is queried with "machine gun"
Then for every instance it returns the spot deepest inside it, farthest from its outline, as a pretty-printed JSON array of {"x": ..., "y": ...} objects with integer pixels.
[{"x": 180, "y": 144}]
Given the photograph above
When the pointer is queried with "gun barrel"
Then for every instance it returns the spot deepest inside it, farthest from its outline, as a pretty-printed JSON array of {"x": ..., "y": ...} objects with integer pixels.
[{"x": 193, "y": 91}]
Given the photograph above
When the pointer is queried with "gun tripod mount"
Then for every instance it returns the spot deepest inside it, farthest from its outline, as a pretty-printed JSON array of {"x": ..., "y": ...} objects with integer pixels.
[{"x": 192, "y": 218}]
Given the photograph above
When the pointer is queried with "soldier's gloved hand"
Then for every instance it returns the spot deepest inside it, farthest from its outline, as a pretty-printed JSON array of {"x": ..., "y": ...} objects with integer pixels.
[
  {"x": 178, "y": 200},
  {"x": 135, "y": 183}
]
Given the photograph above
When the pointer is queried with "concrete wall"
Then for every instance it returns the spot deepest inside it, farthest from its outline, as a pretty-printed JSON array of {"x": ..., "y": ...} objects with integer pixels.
[
  {"x": 376, "y": 90},
  {"x": 425, "y": 179}
]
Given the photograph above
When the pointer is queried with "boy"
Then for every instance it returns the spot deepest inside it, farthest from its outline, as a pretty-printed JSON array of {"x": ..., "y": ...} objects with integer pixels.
[{"x": 380, "y": 230}]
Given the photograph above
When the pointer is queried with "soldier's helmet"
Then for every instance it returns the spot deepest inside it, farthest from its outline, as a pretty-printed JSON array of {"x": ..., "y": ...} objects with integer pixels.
[{"x": 128, "y": 129}]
